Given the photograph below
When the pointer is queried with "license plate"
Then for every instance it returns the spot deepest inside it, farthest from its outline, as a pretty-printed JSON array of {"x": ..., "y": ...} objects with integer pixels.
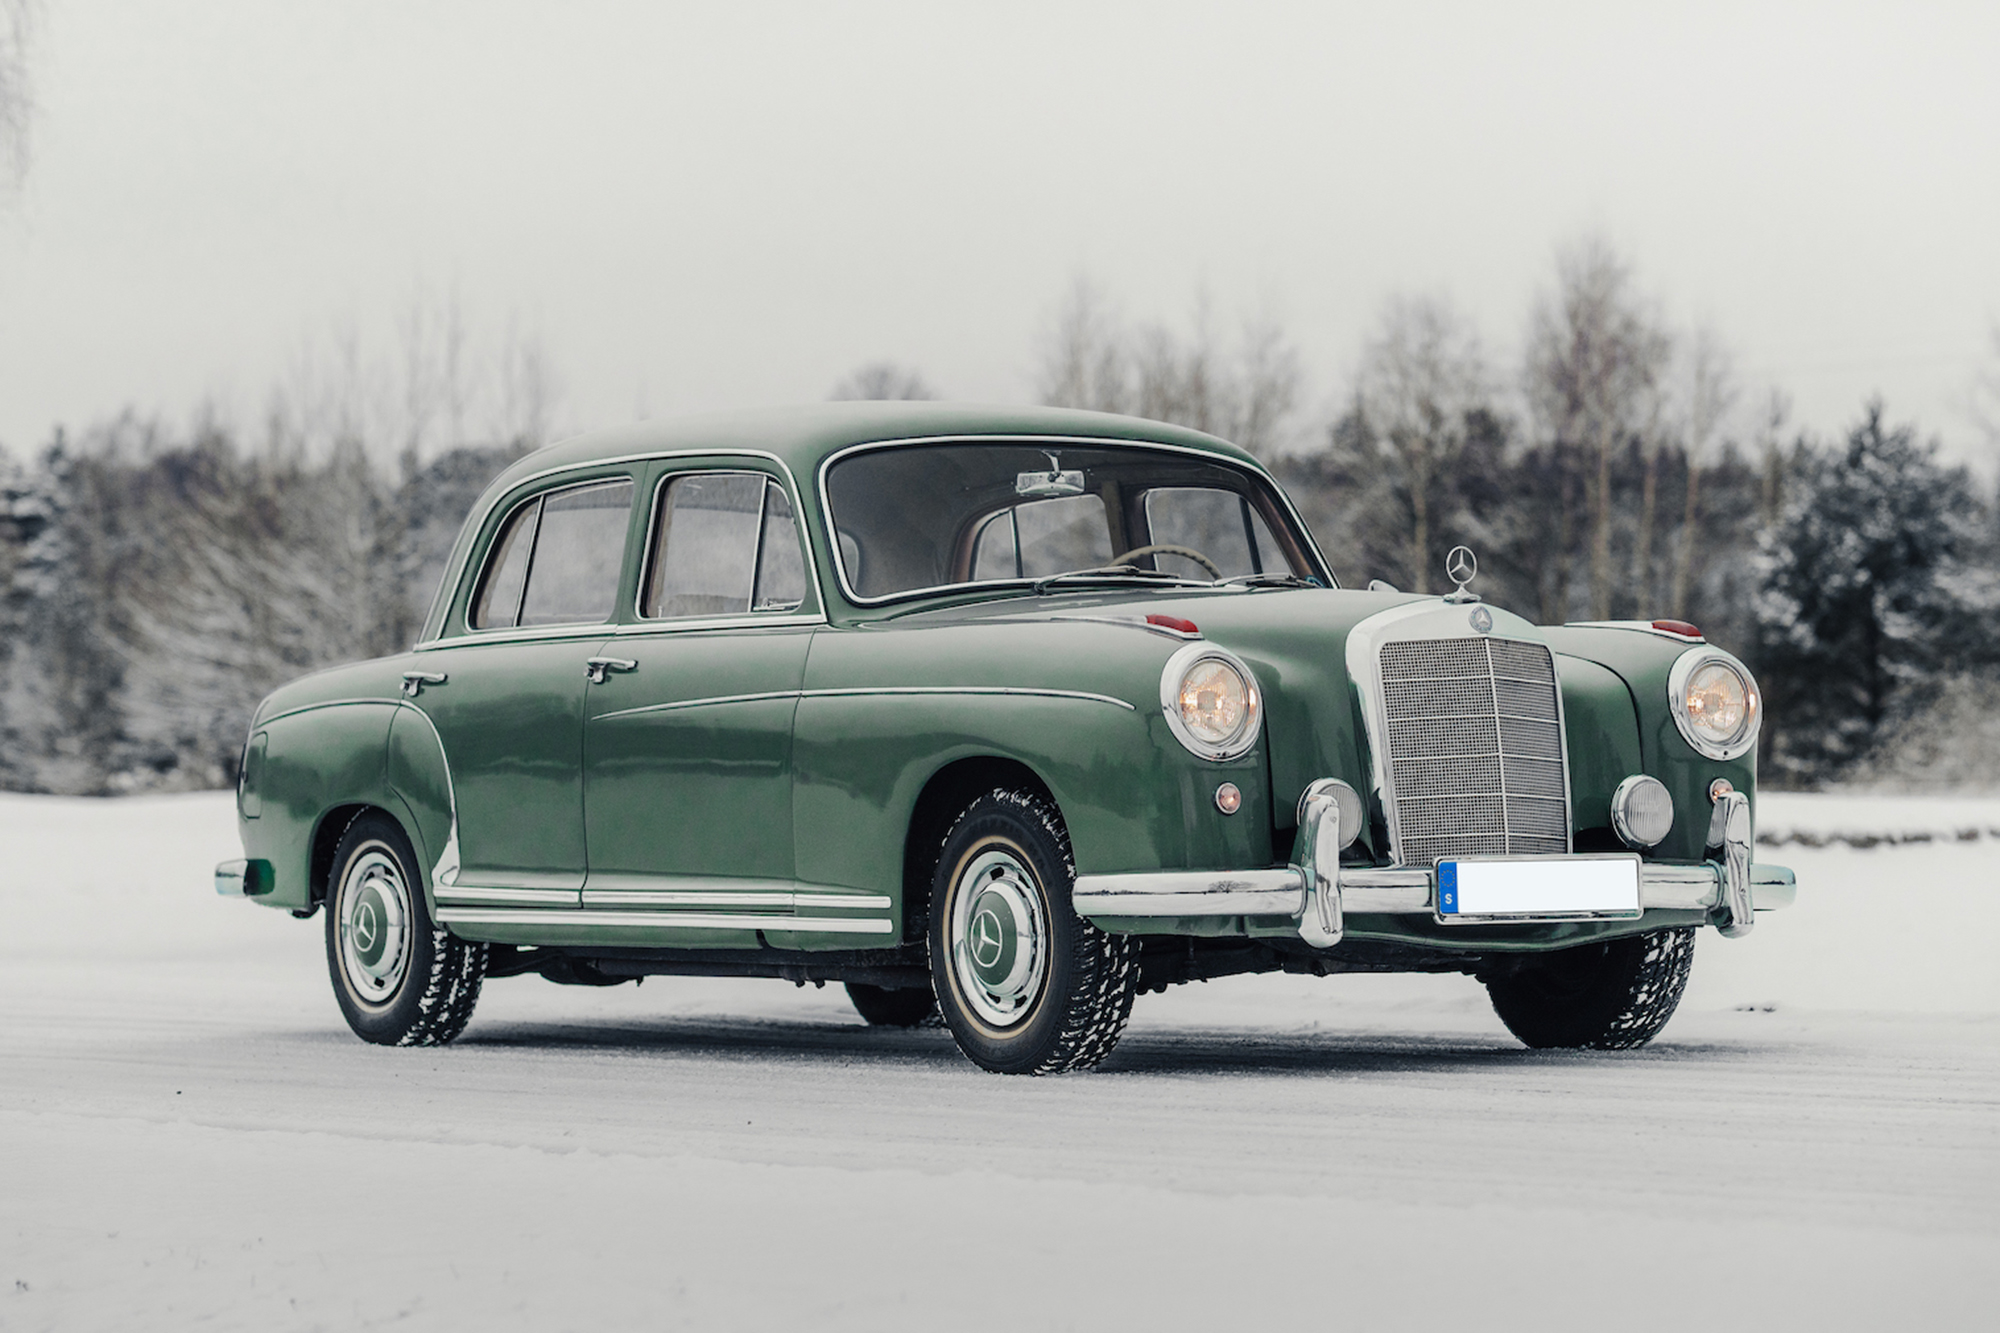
[{"x": 1553, "y": 888}]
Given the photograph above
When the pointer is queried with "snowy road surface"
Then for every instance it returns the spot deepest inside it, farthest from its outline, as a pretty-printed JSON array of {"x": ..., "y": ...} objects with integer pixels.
[{"x": 189, "y": 1137}]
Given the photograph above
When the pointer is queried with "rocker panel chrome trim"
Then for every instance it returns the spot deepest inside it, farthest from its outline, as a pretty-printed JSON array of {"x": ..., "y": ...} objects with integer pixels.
[{"x": 802, "y": 925}]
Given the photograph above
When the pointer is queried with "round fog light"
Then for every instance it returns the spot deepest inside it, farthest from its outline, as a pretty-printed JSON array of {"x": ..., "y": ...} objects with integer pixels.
[
  {"x": 1228, "y": 798},
  {"x": 1642, "y": 811}
]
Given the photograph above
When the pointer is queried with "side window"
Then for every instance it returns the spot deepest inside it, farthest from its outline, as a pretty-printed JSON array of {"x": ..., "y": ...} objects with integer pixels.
[
  {"x": 724, "y": 544},
  {"x": 1218, "y": 523},
  {"x": 499, "y": 600},
  {"x": 1043, "y": 537},
  {"x": 995, "y": 553},
  {"x": 556, "y": 561}
]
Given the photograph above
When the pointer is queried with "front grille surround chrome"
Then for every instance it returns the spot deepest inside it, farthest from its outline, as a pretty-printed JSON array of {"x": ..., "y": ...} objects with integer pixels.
[{"x": 1466, "y": 733}]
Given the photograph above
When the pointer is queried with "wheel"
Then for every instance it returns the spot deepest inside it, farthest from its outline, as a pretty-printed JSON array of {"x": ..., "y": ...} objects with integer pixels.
[
  {"x": 1025, "y": 985},
  {"x": 1601, "y": 997},
  {"x": 907, "y": 1008},
  {"x": 1184, "y": 552},
  {"x": 401, "y": 979}
]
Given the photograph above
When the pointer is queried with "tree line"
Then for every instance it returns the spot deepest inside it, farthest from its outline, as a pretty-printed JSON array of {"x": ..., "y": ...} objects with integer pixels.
[{"x": 156, "y": 582}]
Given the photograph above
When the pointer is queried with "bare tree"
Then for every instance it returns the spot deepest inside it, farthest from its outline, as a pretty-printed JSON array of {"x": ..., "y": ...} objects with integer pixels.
[
  {"x": 1595, "y": 358},
  {"x": 17, "y": 106},
  {"x": 1422, "y": 374},
  {"x": 1083, "y": 361},
  {"x": 882, "y": 381},
  {"x": 1986, "y": 391},
  {"x": 1247, "y": 394},
  {"x": 1708, "y": 386}
]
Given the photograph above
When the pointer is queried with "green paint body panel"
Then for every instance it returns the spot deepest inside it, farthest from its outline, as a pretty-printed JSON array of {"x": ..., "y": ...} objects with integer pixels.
[
  {"x": 511, "y": 719},
  {"x": 694, "y": 788},
  {"x": 796, "y": 751}
]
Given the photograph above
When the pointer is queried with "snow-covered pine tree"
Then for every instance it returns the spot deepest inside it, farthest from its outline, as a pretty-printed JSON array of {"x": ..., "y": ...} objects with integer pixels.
[{"x": 1870, "y": 597}]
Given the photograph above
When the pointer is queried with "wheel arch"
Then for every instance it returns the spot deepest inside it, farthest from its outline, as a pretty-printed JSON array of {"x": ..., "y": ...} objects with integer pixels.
[
  {"x": 327, "y": 833},
  {"x": 945, "y": 794}
]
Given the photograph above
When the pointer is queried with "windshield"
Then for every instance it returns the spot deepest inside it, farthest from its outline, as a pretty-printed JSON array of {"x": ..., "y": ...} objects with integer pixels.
[{"x": 921, "y": 517}]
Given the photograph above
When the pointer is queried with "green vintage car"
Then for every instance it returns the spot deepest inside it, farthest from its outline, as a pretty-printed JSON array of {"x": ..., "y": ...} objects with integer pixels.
[{"x": 1003, "y": 715}]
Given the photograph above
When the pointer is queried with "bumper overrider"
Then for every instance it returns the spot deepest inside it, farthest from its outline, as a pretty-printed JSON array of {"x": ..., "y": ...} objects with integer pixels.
[{"x": 1317, "y": 892}]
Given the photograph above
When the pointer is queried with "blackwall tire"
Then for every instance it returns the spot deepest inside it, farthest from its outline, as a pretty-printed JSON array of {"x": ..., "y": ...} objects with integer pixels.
[
  {"x": 884, "y": 1008},
  {"x": 1024, "y": 984},
  {"x": 1601, "y": 997},
  {"x": 401, "y": 979}
]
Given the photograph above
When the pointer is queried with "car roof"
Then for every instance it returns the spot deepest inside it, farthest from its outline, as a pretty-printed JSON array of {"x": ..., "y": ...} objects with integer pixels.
[{"x": 805, "y": 436}]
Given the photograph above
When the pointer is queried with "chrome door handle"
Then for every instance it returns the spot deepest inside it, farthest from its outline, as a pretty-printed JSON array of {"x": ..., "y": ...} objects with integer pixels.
[
  {"x": 414, "y": 681},
  {"x": 597, "y": 668}
]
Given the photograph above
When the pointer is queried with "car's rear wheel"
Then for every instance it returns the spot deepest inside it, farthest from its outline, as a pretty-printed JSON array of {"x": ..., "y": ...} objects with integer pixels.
[
  {"x": 401, "y": 979},
  {"x": 1603, "y": 997},
  {"x": 1025, "y": 985}
]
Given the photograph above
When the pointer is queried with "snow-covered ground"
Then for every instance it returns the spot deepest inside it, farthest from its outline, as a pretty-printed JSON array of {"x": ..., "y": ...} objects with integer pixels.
[
  {"x": 1874, "y": 819},
  {"x": 188, "y": 1136}
]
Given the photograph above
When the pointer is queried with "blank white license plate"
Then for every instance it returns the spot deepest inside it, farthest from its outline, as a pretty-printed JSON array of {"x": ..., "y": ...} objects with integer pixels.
[{"x": 1538, "y": 888}]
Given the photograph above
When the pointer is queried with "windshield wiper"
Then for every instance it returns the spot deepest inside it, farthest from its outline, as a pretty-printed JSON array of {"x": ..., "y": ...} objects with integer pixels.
[
  {"x": 1103, "y": 572},
  {"x": 1271, "y": 580}
]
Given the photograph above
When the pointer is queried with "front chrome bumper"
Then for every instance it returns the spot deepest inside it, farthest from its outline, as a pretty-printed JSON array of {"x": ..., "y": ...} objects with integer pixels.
[{"x": 1318, "y": 893}]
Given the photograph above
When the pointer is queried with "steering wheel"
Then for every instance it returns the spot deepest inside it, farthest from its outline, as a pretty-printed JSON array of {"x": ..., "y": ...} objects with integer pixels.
[{"x": 1185, "y": 552}]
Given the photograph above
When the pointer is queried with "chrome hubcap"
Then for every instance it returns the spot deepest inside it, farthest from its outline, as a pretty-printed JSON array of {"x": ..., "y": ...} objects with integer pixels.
[
  {"x": 998, "y": 937},
  {"x": 373, "y": 912}
]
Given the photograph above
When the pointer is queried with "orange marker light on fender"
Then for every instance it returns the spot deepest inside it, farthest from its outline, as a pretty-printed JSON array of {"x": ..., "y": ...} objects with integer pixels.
[{"x": 1228, "y": 798}]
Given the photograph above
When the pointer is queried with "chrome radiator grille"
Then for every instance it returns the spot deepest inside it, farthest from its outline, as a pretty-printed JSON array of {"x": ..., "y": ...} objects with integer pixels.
[{"x": 1475, "y": 749}]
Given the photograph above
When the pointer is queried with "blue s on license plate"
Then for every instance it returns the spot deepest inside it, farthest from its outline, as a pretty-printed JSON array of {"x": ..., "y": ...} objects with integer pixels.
[{"x": 1538, "y": 888}]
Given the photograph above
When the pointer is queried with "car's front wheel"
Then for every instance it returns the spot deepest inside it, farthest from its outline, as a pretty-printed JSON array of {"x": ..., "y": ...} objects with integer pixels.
[
  {"x": 1025, "y": 985},
  {"x": 1603, "y": 997},
  {"x": 401, "y": 979}
]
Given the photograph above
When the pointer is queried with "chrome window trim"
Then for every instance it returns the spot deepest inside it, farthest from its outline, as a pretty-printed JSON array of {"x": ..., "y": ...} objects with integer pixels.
[
  {"x": 1178, "y": 665},
  {"x": 1033, "y": 441},
  {"x": 1433, "y": 618},
  {"x": 1677, "y": 678},
  {"x": 643, "y": 621},
  {"x": 544, "y": 496},
  {"x": 594, "y": 630},
  {"x": 449, "y": 588}
]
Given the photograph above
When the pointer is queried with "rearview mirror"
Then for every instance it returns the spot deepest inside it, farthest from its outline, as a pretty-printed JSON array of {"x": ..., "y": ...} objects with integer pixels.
[{"x": 1042, "y": 485}]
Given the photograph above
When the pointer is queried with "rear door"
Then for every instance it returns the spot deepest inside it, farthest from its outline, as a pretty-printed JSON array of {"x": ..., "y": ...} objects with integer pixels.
[{"x": 687, "y": 743}]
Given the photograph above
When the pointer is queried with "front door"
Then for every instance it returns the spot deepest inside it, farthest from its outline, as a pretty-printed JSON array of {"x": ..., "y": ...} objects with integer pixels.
[
  {"x": 509, "y": 706},
  {"x": 688, "y": 740}
]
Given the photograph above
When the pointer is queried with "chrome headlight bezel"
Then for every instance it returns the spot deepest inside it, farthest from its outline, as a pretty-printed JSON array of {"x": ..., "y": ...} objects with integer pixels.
[
  {"x": 1745, "y": 737},
  {"x": 1239, "y": 742}
]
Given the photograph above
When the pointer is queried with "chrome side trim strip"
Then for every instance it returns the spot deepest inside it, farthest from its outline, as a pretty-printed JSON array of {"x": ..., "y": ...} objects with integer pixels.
[
  {"x": 968, "y": 689},
  {"x": 666, "y": 921},
  {"x": 858, "y": 692},
  {"x": 774, "y": 901},
  {"x": 712, "y": 701},
  {"x": 477, "y": 894},
  {"x": 262, "y": 722}
]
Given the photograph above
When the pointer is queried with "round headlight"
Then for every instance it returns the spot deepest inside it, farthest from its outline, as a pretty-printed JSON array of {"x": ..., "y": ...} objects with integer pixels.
[
  {"x": 1715, "y": 702},
  {"x": 1211, "y": 703}
]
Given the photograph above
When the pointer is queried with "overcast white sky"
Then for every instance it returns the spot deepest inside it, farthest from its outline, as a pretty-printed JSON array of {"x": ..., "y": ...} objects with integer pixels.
[{"x": 707, "y": 206}]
